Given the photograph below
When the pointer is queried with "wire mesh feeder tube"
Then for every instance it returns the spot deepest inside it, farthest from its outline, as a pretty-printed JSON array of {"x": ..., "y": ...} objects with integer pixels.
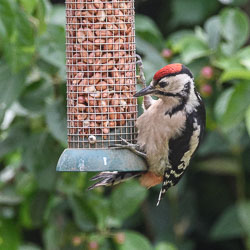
[{"x": 101, "y": 79}]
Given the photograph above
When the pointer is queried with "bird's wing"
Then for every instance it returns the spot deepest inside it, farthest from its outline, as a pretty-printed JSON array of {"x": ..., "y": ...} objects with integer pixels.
[{"x": 182, "y": 149}]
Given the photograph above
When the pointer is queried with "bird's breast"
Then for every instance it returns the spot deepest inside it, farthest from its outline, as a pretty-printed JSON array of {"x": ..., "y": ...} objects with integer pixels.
[{"x": 155, "y": 129}]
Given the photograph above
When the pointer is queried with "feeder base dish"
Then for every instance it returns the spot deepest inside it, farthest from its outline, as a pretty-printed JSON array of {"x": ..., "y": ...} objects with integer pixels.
[{"x": 89, "y": 160}]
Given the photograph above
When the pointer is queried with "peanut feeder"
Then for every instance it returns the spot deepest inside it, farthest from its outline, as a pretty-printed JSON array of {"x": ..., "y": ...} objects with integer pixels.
[{"x": 101, "y": 79}]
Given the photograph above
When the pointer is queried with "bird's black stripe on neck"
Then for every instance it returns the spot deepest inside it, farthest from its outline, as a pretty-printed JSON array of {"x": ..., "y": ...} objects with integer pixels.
[
  {"x": 183, "y": 102},
  {"x": 158, "y": 92},
  {"x": 177, "y": 108},
  {"x": 197, "y": 96}
]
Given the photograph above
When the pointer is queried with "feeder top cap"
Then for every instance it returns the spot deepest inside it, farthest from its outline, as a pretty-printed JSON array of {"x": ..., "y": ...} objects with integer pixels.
[{"x": 168, "y": 70}]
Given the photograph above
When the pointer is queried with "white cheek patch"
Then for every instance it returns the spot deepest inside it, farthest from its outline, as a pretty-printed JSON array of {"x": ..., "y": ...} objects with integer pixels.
[
  {"x": 193, "y": 101},
  {"x": 176, "y": 83}
]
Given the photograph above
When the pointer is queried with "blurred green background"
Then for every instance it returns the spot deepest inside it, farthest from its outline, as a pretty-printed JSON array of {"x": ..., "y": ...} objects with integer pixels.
[{"x": 42, "y": 209}]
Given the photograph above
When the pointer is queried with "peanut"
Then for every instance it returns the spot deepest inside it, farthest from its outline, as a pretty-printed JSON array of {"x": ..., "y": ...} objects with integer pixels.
[
  {"x": 81, "y": 99},
  {"x": 101, "y": 66},
  {"x": 101, "y": 86},
  {"x": 81, "y": 107},
  {"x": 81, "y": 117}
]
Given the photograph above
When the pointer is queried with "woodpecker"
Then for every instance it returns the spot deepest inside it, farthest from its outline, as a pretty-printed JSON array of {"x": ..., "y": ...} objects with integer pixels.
[{"x": 169, "y": 131}]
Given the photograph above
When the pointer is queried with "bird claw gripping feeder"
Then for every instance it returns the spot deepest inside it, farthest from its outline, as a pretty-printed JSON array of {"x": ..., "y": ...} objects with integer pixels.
[{"x": 101, "y": 82}]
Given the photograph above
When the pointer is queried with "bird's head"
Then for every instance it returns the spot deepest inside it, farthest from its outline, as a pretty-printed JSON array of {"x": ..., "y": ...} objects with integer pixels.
[{"x": 173, "y": 80}]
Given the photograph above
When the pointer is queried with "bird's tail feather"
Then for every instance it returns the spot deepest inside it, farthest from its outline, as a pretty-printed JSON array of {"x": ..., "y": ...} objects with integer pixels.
[
  {"x": 162, "y": 193},
  {"x": 112, "y": 178}
]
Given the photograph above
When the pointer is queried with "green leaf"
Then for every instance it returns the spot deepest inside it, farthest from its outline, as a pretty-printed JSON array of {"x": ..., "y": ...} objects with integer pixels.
[
  {"x": 83, "y": 213},
  {"x": 152, "y": 59},
  {"x": 244, "y": 215},
  {"x": 51, "y": 46},
  {"x": 25, "y": 183},
  {"x": 57, "y": 15},
  {"x": 227, "y": 226},
  {"x": 199, "y": 9},
  {"x": 32, "y": 211},
  {"x": 135, "y": 241},
  {"x": 247, "y": 117},
  {"x": 37, "y": 206},
  {"x": 56, "y": 120},
  {"x": 101, "y": 208},
  {"x": 6, "y": 20},
  {"x": 35, "y": 96},
  {"x": 234, "y": 27},
  {"x": 237, "y": 105},
  {"x": 132, "y": 195},
  {"x": 165, "y": 246},
  {"x": 9, "y": 198},
  {"x": 29, "y": 247},
  {"x": 147, "y": 29},
  {"x": 220, "y": 166},
  {"x": 42, "y": 13},
  {"x": 15, "y": 138},
  {"x": 233, "y": 223},
  {"x": 177, "y": 36},
  {"x": 233, "y": 2},
  {"x": 244, "y": 57},
  {"x": 215, "y": 143},
  {"x": 29, "y": 5},
  {"x": 37, "y": 146},
  {"x": 51, "y": 233},
  {"x": 212, "y": 28},
  {"x": 33, "y": 155},
  {"x": 146, "y": 24},
  {"x": 11, "y": 86},
  {"x": 18, "y": 39},
  {"x": 228, "y": 63},
  {"x": 191, "y": 48},
  {"x": 234, "y": 74},
  {"x": 9, "y": 235}
]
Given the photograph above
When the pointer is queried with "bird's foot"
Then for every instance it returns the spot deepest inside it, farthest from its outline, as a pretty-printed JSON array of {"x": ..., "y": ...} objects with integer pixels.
[
  {"x": 129, "y": 146},
  {"x": 141, "y": 77}
]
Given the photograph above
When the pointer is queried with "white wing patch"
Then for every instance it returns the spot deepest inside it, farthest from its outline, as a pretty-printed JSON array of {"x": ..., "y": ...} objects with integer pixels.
[{"x": 194, "y": 141}]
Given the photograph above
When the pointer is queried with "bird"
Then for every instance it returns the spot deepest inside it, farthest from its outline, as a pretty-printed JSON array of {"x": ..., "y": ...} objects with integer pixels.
[{"x": 169, "y": 131}]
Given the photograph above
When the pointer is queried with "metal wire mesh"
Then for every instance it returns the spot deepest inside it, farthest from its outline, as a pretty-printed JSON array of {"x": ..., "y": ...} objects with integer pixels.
[{"x": 101, "y": 72}]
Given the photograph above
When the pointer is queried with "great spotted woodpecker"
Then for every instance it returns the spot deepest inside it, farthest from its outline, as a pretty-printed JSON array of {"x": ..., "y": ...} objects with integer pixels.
[{"x": 169, "y": 131}]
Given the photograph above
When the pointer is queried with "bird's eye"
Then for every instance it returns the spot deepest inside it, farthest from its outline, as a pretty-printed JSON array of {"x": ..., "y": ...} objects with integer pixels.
[
  {"x": 186, "y": 85},
  {"x": 163, "y": 84}
]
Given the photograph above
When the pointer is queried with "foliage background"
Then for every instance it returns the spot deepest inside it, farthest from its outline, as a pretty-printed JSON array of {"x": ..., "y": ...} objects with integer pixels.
[{"x": 42, "y": 209}]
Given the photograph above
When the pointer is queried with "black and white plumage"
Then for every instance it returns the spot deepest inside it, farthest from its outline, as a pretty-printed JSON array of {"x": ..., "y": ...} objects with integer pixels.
[{"x": 169, "y": 131}]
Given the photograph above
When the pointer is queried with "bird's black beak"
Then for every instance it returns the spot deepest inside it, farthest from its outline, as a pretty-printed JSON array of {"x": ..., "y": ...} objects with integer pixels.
[{"x": 146, "y": 91}]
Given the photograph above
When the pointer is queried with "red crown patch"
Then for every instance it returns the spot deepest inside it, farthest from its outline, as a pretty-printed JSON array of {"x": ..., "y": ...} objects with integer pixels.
[{"x": 167, "y": 70}]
